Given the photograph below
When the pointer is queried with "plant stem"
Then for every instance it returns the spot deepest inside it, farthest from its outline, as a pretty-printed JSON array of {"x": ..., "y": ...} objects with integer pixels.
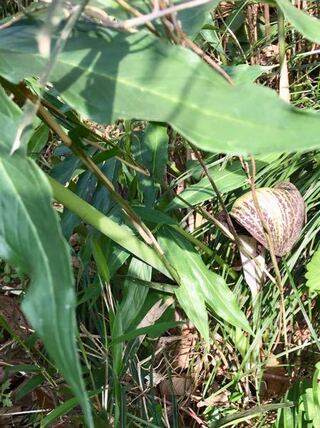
[{"x": 268, "y": 238}]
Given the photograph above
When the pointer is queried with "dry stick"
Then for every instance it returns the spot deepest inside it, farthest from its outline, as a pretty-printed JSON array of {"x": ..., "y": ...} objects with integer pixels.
[
  {"x": 197, "y": 50},
  {"x": 141, "y": 228},
  {"x": 268, "y": 238},
  {"x": 136, "y": 167},
  {"x": 158, "y": 13},
  {"x": 128, "y": 24},
  {"x": 132, "y": 164},
  {"x": 213, "y": 184},
  {"x": 22, "y": 15},
  {"x": 233, "y": 233},
  {"x": 44, "y": 46},
  {"x": 135, "y": 12},
  {"x": 190, "y": 44}
]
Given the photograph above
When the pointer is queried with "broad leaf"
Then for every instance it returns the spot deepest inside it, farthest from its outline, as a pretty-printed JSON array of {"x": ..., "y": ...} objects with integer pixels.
[
  {"x": 313, "y": 272},
  {"x": 31, "y": 239},
  {"x": 106, "y": 75},
  {"x": 199, "y": 285},
  {"x": 307, "y": 25}
]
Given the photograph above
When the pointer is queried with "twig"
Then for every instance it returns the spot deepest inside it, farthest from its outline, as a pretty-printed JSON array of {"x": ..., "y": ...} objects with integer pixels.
[
  {"x": 44, "y": 45},
  {"x": 267, "y": 27},
  {"x": 216, "y": 191},
  {"x": 186, "y": 41},
  {"x": 135, "y": 12},
  {"x": 11, "y": 21},
  {"x": 231, "y": 231},
  {"x": 158, "y": 13},
  {"x": 268, "y": 238},
  {"x": 190, "y": 44},
  {"x": 131, "y": 163},
  {"x": 21, "y": 15},
  {"x": 155, "y": 14},
  {"x": 138, "y": 224}
]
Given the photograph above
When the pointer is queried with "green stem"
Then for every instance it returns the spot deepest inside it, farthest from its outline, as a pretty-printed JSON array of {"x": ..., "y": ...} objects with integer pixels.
[{"x": 281, "y": 37}]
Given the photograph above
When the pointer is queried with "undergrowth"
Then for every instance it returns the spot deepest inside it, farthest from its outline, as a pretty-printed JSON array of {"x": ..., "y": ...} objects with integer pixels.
[{"x": 165, "y": 374}]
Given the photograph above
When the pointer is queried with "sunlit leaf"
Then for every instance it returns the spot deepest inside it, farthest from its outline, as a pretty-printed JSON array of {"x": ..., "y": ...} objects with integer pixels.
[
  {"x": 313, "y": 272},
  {"x": 31, "y": 239},
  {"x": 199, "y": 285},
  {"x": 106, "y": 75}
]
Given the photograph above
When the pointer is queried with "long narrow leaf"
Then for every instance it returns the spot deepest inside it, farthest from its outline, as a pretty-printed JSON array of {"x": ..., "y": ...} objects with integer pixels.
[
  {"x": 199, "y": 285},
  {"x": 31, "y": 239},
  {"x": 120, "y": 234}
]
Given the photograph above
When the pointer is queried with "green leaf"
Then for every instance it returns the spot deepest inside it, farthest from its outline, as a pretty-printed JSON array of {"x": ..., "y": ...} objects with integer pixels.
[
  {"x": 153, "y": 330},
  {"x": 316, "y": 395},
  {"x": 31, "y": 239},
  {"x": 38, "y": 140},
  {"x": 122, "y": 235},
  {"x": 313, "y": 272},
  {"x": 244, "y": 73},
  {"x": 189, "y": 293},
  {"x": 155, "y": 150},
  {"x": 100, "y": 260},
  {"x": 99, "y": 72},
  {"x": 230, "y": 178},
  {"x": 193, "y": 19},
  {"x": 236, "y": 418},
  {"x": 134, "y": 295},
  {"x": 307, "y": 25},
  {"x": 199, "y": 285},
  {"x": 10, "y": 116},
  {"x": 62, "y": 410},
  {"x": 151, "y": 150}
]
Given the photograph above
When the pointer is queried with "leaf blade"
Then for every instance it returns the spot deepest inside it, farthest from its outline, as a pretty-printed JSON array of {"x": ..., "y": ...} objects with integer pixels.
[
  {"x": 313, "y": 272},
  {"x": 27, "y": 222},
  {"x": 204, "y": 109}
]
